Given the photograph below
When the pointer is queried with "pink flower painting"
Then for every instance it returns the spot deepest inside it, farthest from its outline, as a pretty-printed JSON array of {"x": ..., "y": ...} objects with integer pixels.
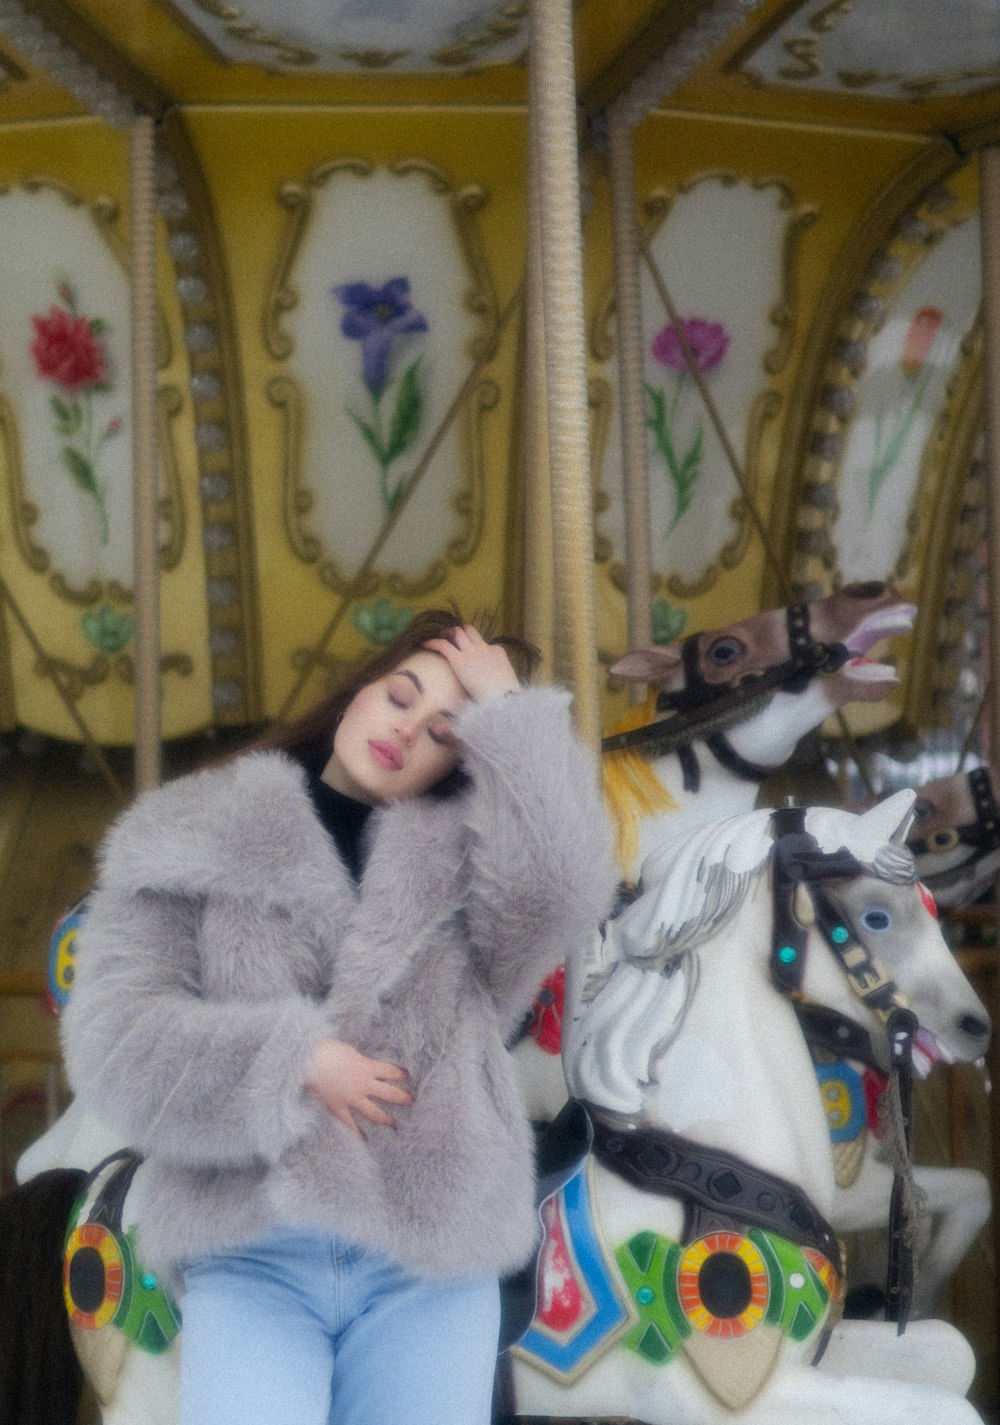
[
  {"x": 69, "y": 351},
  {"x": 707, "y": 343}
]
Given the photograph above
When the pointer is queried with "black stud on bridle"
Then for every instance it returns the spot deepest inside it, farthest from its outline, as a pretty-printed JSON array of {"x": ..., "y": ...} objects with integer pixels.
[{"x": 701, "y": 711}]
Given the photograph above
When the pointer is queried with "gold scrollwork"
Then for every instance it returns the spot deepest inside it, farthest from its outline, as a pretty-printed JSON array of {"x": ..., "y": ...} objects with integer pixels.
[
  {"x": 372, "y": 58},
  {"x": 296, "y": 500},
  {"x": 74, "y": 678},
  {"x": 169, "y": 404},
  {"x": 23, "y": 512},
  {"x": 296, "y": 199},
  {"x": 470, "y": 501},
  {"x": 179, "y": 663},
  {"x": 10, "y": 72},
  {"x": 248, "y": 32},
  {"x": 466, "y": 203},
  {"x": 826, "y": 18},
  {"x": 506, "y": 26},
  {"x": 600, "y": 403},
  {"x": 782, "y": 314}
]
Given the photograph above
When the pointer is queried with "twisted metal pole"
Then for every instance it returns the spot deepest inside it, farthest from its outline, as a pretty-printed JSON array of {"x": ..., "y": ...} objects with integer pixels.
[
  {"x": 145, "y": 486},
  {"x": 553, "y": 118},
  {"x": 631, "y": 383}
]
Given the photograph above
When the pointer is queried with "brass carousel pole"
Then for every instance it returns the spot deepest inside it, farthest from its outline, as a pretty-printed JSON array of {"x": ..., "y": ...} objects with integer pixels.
[
  {"x": 989, "y": 210},
  {"x": 553, "y": 121},
  {"x": 145, "y": 486}
]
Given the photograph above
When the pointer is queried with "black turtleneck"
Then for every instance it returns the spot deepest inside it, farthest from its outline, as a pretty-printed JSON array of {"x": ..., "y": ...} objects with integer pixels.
[{"x": 344, "y": 819}]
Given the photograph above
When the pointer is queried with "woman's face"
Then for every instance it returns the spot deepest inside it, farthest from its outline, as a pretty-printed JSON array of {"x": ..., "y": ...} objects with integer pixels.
[{"x": 395, "y": 739}]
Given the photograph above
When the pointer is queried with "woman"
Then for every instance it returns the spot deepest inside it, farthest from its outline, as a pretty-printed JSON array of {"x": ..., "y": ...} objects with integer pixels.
[{"x": 293, "y": 990}]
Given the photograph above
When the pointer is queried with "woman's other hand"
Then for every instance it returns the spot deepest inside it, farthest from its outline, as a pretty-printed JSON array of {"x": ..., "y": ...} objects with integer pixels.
[
  {"x": 347, "y": 1082},
  {"x": 482, "y": 668}
]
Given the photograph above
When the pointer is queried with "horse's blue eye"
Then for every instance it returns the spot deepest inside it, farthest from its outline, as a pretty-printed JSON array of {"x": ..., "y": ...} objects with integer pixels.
[{"x": 876, "y": 920}]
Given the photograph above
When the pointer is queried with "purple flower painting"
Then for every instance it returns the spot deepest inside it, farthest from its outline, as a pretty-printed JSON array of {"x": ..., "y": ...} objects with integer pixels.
[
  {"x": 708, "y": 343},
  {"x": 380, "y": 319}
]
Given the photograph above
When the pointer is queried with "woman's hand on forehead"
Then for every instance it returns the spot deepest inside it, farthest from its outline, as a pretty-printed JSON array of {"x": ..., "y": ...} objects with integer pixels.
[{"x": 482, "y": 668}]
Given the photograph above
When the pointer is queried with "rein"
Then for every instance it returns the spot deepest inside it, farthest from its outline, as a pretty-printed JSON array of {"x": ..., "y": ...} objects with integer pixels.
[
  {"x": 702, "y": 710},
  {"x": 798, "y": 861}
]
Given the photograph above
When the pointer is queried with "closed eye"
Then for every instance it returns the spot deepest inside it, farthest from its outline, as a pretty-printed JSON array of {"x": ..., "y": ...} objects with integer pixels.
[{"x": 443, "y": 734}]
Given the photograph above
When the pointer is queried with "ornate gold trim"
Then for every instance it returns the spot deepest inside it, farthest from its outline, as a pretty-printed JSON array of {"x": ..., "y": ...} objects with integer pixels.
[
  {"x": 600, "y": 406},
  {"x": 8, "y": 707},
  {"x": 372, "y": 58},
  {"x": 75, "y": 678},
  {"x": 296, "y": 499},
  {"x": 470, "y": 500},
  {"x": 249, "y": 33},
  {"x": 217, "y": 397},
  {"x": 179, "y": 663},
  {"x": 783, "y": 315},
  {"x": 806, "y": 62},
  {"x": 862, "y": 311},
  {"x": 936, "y": 515},
  {"x": 169, "y": 404},
  {"x": 465, "y": 205},
  {"x": 10, "y": 72},
  {"x": 296, "y": 199},
  {"x": 507, "y": 26},
  {"x": 799, "y": 503},
  {"x": 23, "y": 513}
]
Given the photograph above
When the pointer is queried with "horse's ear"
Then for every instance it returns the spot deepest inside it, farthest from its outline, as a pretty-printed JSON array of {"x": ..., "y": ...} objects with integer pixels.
[
  {"x": 892, "y": 819},
  {"x": 647, "y": 665}
]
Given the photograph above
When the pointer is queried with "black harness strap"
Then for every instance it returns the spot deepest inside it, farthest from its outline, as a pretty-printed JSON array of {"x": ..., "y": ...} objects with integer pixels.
[
  {"x": 701, "y": 710},
  {"x": 983, "y": 834},
  {"x": 899, "y": 1276},
  {"x": 718, "y": 1189}
]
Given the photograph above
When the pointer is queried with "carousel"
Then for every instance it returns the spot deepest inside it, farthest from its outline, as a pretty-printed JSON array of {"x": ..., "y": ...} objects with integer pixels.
[{"x": 671, "y": 331}]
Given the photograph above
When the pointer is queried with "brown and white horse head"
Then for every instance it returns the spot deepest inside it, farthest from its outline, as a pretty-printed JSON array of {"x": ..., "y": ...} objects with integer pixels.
[
  {"x": 855, "y": 619},
  {"x": 955, "y": 836},
  {"x": 751, "y": 690}
]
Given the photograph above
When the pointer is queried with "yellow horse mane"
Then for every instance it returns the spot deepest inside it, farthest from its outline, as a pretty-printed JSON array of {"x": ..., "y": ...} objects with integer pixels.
[{"x": 632, "y": 789}]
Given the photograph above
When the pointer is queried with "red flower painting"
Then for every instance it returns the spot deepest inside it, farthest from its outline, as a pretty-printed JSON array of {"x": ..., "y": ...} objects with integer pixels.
[
  {"x": 707, "y": 343},
  {"x": 69, "y": 351}
]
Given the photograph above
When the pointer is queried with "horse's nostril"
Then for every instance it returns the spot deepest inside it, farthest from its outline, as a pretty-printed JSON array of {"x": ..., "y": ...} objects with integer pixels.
[
  {"x": 870, "y": 590},
  {"x": 974, "y": 1027}
]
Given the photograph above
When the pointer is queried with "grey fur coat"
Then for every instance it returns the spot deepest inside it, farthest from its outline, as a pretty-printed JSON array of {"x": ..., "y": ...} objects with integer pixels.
[{"x": 226, "y": 938}]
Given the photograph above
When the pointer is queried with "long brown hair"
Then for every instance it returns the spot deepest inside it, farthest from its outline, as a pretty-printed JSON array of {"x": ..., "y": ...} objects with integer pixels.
[{"x": 309, "y": 739}]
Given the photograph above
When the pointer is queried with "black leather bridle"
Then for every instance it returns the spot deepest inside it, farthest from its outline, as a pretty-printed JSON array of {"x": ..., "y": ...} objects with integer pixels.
[{"x": 701, "y": 711}]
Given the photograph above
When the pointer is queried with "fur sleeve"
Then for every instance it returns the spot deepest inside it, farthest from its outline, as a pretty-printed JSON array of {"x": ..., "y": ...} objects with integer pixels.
[
  {"x": 541, "y": 872},
  {"x": 196, "y": 1080}
]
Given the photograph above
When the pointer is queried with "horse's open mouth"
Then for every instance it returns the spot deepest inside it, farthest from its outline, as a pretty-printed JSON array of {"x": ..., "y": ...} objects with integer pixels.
[
  {"x": 866, "y": 670},
  {"x": 928, "y": 1051},
  {"x": 883, "y": 624}
]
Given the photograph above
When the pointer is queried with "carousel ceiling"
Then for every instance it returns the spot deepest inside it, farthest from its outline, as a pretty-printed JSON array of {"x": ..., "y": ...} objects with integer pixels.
[{"x": 806, "y": 182}]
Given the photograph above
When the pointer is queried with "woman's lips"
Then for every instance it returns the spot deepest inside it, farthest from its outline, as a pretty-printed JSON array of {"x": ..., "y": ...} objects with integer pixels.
[{"x": 387, "y": 755}]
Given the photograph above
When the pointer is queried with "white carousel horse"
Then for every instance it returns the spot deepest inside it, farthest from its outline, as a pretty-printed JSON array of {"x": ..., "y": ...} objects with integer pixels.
[
  {"x": 726, "y": 708},
  {"x": 688, "y": 1272},
  {"x": 955, "y": 839}
]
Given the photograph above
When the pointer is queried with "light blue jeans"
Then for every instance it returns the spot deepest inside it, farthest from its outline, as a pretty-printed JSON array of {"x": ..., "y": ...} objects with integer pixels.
[{"x": 303, "y": 1329}]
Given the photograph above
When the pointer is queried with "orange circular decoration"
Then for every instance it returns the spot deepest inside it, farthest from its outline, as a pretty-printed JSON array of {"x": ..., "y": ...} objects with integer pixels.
[
  {"x": 690, "y": 1285},
  {"x": 93, "y": 1276},
  {"x": 826, "y": 1272}
]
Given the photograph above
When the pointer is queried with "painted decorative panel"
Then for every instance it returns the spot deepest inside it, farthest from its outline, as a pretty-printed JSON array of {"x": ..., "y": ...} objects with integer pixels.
[
  {"x": 380, "y": 300},
  {"x": 352, "y": 34},
  {"x": 891, "y": 49},
  {"x": 909, "y": 361},
  {"x": 725, "y": 249}
]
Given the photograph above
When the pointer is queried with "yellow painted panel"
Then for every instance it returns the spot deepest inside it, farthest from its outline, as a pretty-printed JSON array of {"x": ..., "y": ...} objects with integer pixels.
[
  {"x": 90, "y": 160},
  {"x": 842, "y": 176},
  {"x": 476, "y": 147}
]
